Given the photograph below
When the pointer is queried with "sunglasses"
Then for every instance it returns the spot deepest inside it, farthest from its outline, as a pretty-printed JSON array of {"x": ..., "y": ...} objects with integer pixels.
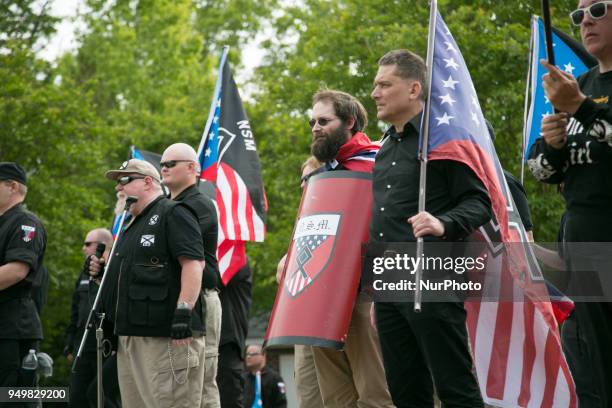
[
  {"x": 597, "y": 11},
  {"x": 89, "y": 243},
  {"x": 124, "y": 180},
  {"x": 321, "y": 121},
  {"x": 171, "y": 163}
]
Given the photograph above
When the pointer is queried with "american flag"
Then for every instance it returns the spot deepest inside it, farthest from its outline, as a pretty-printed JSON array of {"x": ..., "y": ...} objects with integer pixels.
[
  {"x": 231, "y": 174},
  {"x": 571, "y": 57},
  {"x": 304, "y": 247},
  {"x": 516, "y": 345}
]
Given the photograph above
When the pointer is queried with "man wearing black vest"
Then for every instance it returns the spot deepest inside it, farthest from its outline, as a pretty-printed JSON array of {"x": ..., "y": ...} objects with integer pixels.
[
  {"x": 22, "y": 248},
  {"x": 180, "y": 170},
  {"x": 152, "y": 294}
]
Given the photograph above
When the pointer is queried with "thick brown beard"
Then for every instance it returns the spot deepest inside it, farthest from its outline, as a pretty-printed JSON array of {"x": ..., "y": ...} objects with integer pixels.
[{"x": 326, "y": 148}]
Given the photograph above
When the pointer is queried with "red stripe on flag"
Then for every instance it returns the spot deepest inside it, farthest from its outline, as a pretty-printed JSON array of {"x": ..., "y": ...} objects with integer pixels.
[
  {"x": 501, "y": 349},
  {"x": 222, "y": 214},
  {"x": 551, "y": 358},
  {"x": 473, "y": 309},
  {"x": 529, "y": 354},
  {"x": 570, "y": 385},
  {"x": 249, "y": 216},
  {"x": 231, "y": 181}
]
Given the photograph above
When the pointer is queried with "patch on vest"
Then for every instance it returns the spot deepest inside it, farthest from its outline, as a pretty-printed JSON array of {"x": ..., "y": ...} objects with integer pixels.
[
  {"x": 28, "y": 233},
  {"x": 153, "y": 220},
  {"x": 147, "y": 240}
]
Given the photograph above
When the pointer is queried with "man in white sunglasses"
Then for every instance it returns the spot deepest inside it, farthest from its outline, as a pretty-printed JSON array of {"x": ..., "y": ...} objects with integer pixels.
[{"x": 576, "y": 149}]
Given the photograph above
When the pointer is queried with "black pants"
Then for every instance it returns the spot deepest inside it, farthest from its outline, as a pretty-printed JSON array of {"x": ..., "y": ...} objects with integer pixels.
[
  {"x": 84, "y": 374},
  {"x": 12, "y": 353},
  {"x": 427, "y": 348},
  {"x": 576, "y": 351},
  {"x": 84, "y": 384},
  {"x": 229, "y": 376},
  {"x": 110, "y": 383},
  {"x": 591, "y": 275}
]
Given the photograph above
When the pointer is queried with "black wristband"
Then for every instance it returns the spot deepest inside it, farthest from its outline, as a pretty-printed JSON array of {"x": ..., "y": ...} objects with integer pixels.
[{"x": 181, "y": 324}]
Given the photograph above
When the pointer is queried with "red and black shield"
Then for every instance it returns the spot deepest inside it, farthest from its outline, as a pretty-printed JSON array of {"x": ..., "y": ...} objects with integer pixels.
[{"x": 315, "y": 300}]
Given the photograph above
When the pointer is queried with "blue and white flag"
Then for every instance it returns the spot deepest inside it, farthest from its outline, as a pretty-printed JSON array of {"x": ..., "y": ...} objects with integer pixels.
[{"x": 570, "y": 57}]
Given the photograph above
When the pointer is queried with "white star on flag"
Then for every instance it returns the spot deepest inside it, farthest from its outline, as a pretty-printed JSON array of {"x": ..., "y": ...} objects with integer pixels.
[
  {"x": 450, "y": 83},
  {"x": 451, "y": 63},
  {"x": 569, "y": 68},
  {"x": 208, "y": 152},
  {"x": 475, "y": 118},
  {"x": 444, "y": 120},
  {"x": 475, "y": 101},
  {"x": 546, "y": 100},
  {"x": 218, "y": 103},
  {"x": 215, "y": 119},
  {"x": 450, "y": 47},
  {"x": 447, "y": 99}
]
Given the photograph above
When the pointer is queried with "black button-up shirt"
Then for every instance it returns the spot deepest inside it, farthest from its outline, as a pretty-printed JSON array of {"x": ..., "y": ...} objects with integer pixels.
[{"x": 454, "y": 194}]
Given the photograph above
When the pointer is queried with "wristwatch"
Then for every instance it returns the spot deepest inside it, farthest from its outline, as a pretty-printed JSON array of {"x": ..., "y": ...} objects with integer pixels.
[{"x": 183, "y": 305}]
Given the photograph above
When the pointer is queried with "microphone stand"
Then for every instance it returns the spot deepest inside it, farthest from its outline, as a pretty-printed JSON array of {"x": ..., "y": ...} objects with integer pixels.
[{"x": 93, "y": 312}]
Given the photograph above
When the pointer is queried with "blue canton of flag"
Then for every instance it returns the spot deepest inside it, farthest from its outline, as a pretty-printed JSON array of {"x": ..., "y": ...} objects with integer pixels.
[
  {"x": 570, "y": 57},
  {"x": 455, "y": 111},
  {"x": 457, "y": 128},
  {"x": 210, "y": 153}
]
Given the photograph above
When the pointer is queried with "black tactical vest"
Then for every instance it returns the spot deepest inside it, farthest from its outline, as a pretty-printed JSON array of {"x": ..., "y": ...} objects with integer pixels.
[{"x": 149, "y": 279}]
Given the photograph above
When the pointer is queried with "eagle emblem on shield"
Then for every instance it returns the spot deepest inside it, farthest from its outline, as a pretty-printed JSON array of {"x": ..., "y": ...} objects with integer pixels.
[{"x": 314, "y": 241}]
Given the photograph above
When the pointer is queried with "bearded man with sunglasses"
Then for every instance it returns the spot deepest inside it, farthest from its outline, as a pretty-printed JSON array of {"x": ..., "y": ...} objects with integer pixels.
[
  {"x": 576, "y": 149},
  {"x": 152, "y": 294},
  {"x": 180, "y": 171},
  {"x": 353, "y": 377}
]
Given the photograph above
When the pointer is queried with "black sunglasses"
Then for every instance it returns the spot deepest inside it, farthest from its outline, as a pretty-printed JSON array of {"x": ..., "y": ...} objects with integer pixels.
[
  {"x": 88, "y": 243},
  {"x": 171, "y": 163},
  {"x": 597, "y": 11},
  {"x": 320, "y": 121},
  {"x": 124, "y": 180}
]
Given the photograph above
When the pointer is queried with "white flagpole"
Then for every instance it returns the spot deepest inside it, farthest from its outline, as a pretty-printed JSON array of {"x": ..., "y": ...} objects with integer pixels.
[
  {"x": 424, "y": 146},
  {"x": 529, "y": 93}
]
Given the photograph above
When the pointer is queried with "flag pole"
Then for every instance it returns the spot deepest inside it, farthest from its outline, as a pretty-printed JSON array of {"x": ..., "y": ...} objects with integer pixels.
[
  {"x": 530, "y": 86},
  {"x": 418, "y": 295},
  {"x": 215, "y": 98},
  {"x": 550, "y": 54}
]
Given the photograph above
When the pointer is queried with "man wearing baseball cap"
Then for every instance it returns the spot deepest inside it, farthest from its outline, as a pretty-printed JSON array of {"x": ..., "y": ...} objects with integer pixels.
[
  {"x": 152, "y": 294},
  {"x": 22, "y": 248}
]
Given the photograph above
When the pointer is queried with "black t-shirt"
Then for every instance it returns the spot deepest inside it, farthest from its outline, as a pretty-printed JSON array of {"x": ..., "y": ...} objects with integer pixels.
[
  {"x": 455, "y": 195},
  {"x": 584, "y": 164},
  {"x": 22, "y": 239},
  {"x": 519, "y": 195},
  {"x": 207, "y": 218},
  {"x": 236, "y": 300},
  {"x": 272, "y": 389}
]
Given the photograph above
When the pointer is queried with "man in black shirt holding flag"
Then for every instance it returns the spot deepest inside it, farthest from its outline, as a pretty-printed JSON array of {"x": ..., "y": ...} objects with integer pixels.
[{"x": 430, "y": 347}]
